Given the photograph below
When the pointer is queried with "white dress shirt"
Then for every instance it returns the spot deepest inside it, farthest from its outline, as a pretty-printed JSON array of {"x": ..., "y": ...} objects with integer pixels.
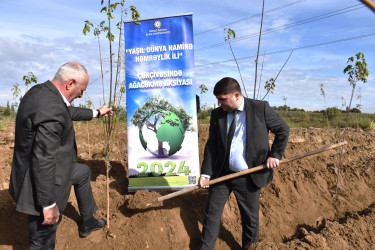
[{"x": 237, "y": 158}]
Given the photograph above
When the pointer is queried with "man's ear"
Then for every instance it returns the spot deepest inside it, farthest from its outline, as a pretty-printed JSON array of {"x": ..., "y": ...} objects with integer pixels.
[
  {"x": 70, "y": 83},
  {"x": 237, "y": 95}
]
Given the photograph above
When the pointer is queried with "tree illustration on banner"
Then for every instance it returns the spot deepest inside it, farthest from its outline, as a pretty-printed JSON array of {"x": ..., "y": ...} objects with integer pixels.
[{"x": 167, "y": 122}]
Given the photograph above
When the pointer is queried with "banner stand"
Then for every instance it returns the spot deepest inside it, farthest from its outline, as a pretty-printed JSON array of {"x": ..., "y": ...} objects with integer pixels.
[{"x": 161, "y": 104}]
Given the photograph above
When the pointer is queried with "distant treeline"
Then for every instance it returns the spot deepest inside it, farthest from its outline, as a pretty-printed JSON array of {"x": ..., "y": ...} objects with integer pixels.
[
  {"x": 8, "y": 111},
  {"x": 330, "y": 118},
  {"x": 286, "y": 107}
]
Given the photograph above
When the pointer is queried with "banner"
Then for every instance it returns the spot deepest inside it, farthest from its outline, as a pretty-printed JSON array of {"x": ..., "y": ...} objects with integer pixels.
[{"x": 161, "y": 104}]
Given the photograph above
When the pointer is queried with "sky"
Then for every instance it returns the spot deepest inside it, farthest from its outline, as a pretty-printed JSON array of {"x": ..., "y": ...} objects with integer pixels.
[{"x": 323, "y": 34}]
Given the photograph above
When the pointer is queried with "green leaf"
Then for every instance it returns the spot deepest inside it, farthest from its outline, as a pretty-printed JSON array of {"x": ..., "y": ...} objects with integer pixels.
[
  {"x": 114, "y": 5},
  {"x": 135, "y": 14},
  {"x": 231, "y": 33},
  {"x": 96, "y": 32},
  {"x": 86, "y": 28},
  {"x": 357, "y": 71},
  {"x": 103, "y": 9},
  {"x": 110, "y": 36}
]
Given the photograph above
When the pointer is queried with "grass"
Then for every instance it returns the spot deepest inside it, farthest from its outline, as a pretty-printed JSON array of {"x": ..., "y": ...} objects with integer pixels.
[
  {"x": 4, "y": 121},
  {"x": 306, "y": 119},
  {"x": 302, "y": 119},
  {"x": 3, "y": 124}
]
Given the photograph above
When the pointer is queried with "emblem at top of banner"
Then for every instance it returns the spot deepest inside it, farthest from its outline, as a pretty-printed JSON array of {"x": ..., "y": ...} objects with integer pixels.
[{"x": 157, "y": 24}]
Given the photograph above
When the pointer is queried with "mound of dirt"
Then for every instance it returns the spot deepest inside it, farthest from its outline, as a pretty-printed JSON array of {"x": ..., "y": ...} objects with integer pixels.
[{"x": 299, "y": 209}]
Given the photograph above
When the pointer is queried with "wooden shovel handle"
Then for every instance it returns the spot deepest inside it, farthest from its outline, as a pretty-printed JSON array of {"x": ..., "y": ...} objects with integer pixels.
[{"x": 245, "y": 172}]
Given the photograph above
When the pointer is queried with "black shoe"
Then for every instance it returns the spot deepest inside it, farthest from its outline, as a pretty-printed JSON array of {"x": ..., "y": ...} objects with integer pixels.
[{"x": 88, "y": 229}]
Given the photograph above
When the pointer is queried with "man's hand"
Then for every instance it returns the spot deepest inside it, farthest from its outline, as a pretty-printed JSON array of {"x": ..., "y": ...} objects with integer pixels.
[
  {"x": 106, "y": 111},
  {"x": 51, "y": 215},
  {"x": 272, "y": 162},
  {"x": 203, "y": 182}
]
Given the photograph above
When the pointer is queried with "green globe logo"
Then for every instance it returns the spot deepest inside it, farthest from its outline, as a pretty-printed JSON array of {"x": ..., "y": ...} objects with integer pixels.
[{"x": 168, "y": 129}]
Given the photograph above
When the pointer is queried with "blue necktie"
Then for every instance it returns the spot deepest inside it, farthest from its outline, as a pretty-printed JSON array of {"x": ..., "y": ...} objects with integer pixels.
[{"x": 232, "y": 129}]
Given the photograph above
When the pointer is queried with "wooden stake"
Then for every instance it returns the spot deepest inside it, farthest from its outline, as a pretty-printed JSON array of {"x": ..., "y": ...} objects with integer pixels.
[{"x": 245, "y": 172}]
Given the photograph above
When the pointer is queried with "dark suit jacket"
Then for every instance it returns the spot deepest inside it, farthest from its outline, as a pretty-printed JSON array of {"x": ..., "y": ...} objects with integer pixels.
[
  {"x": 44, "y": 150},
  {"x": 260, "y": 119}
]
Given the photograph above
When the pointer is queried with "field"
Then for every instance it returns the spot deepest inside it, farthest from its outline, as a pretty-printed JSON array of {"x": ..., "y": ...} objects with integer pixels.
[{"x": 299, "y": 209}]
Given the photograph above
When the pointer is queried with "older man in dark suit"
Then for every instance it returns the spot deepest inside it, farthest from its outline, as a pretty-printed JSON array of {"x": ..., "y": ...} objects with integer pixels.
[
  {"x": 238, "y": 140},
  {"x": 44, "y": 166}
]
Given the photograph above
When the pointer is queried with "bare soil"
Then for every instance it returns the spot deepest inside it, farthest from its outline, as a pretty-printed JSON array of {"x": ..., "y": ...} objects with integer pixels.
[{"x": 299, "y": 209}]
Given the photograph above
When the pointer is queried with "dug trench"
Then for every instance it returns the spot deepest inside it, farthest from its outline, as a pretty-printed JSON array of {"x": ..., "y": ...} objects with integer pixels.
[{"x": 300, "y": 209}]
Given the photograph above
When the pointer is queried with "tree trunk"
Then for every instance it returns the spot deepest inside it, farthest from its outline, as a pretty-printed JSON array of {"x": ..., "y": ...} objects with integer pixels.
[{"x": 160, "y": 148}]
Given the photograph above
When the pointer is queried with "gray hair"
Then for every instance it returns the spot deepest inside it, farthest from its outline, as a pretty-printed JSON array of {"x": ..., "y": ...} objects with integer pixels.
[{"x": 71, "y": 70}]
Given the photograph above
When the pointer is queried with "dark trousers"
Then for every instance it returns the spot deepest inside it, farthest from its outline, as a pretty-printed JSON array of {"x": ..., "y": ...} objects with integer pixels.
[
  {"x": 247, "y": 196},
  {"x": 43, "y": 236}
]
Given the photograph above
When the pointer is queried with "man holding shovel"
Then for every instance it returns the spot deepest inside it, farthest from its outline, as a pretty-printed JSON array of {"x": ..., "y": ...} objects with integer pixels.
[{"x": 238, "y": 140}]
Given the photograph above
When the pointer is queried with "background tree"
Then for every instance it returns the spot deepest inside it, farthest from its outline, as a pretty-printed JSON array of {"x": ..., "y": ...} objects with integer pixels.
[
  {"x": 285, "y": 106},
  {"x": 323, "y": 93},
  {"x": 344, "y": 108},
  {"x": 333, "y": 113},
  {"x": 260, "y": 78},
  {"x": 16, "y": 90},
  {"x": 229, "y": 33},
  {"x": 256, "y": 60},
  {"x": 357, "y": 72},
  {"x": 203, "y": 88},
  {"x": 29, "y": 79},
  {"x": 270, "y": 84},
  {"x": 359, "y": 105},
  {"x": 116, "y": 83},
  {"x": 8, "y": 110}
]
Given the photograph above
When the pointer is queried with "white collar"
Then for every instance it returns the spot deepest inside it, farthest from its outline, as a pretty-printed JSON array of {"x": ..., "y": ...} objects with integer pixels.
[
  {"x": 241, "y": 107},
  {"x": 65, "y": 100}
]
